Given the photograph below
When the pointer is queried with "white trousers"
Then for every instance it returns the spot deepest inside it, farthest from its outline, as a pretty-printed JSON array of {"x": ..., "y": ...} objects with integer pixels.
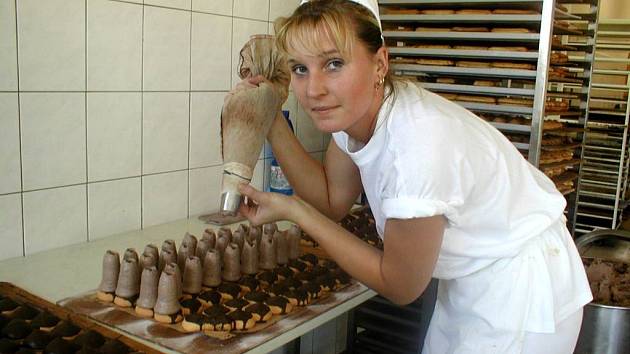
[{"x": 561, "y": 342}]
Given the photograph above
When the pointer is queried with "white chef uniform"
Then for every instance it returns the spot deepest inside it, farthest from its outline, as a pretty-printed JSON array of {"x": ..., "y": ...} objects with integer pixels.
[{"x": 507, "y": 264}]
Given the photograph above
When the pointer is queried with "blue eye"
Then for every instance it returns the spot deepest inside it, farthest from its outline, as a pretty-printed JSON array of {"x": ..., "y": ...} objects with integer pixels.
[
  {"x": 334, "y": 64},
  {"x": 298, "y": 69}
]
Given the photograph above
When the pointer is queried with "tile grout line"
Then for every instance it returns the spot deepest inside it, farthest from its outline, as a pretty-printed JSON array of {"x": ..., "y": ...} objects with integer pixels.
[
  {"x": 142, "y": 121},
  {"x": 19, "y": 107},
  {"x": 190, "y": 34},
  {"x": 87, "y": 196}
]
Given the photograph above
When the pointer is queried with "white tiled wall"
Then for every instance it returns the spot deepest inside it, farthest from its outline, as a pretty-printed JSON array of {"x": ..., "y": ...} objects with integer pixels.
[{"x": 109, "y": 113}]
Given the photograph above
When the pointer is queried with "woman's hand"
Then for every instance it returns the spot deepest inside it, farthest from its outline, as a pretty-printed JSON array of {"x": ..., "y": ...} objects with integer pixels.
[{"x": 265, "y": 207}]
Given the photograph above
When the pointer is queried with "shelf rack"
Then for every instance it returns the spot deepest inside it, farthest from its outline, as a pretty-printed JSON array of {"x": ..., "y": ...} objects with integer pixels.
[
  {"x": 604, "y": 177},
  {"x": 433, "y": 48}
]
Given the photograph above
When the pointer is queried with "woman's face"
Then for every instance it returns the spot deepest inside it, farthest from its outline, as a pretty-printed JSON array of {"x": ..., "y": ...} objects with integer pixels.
[{"x": 339, "y": 93}]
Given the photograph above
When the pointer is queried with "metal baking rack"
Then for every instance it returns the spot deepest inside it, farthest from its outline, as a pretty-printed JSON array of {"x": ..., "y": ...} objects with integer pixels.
[
  {"x": 603, "y": 187},
  {"x": 438, "y": 39}
]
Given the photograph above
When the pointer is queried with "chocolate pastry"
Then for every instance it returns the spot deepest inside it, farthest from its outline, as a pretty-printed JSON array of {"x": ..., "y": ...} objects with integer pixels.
[
  {"x": 297, "y": 265},
  {"x": 236, "y": 304},
  {"x": 279, "y": 305},
  {"x": 256, "y": 296},
  {"x": 249, "y": 257},
  {"x": 294, "y": 234},
  {"x": 88, "y": 350},
  {"x": 330, "y": 264},
  {"x": 65, "y": 329},
  {"x": 242, "y": 320},
  {"x": 255, "y": 234},
  {"x": 16, "y": 329},
  {"x": 310, "y": 259},
  {"x": 313, "y": 289},
  {"x": 150, "y": 256},
  {"x": 177, "y": 276},
  {"x": 114, "y": 346},
  {"x": 190, "y": 306},
  {"x": 193, "y": 275},
  {"x": 232, "y": 263},
  {"x": 25, "y": 312},
  {"x": 292, "y": 283},
  {"x": 128, "y": 286},
  {"x": 7, "y": 306},
  {"x": 229, "y": 291},
  {"x": 225, "y": 232},
  {"x": 203, "y": 246},
  {"x": 222, "y": 243},
  {"x": 304, "y": 277},
  {"x": 267, "y": 251},
  {"x": 27, "y": 351},
  {"x": 7, "y": 346},
  {"x": 238, "y": 237},
  {"x": 297, "y": 297},
  {"x": 327, "y": 282},
  {"x": 168, "y": 253},
  {"x": 109, "y": 278},
  {"x": 218, "y": 322},
  {"x": 319, "y": 270},
  {"x": 60, "y": 346},
  {"x": 38, "y": 339},
  {"x": 212, "y": 268},
  {"x": 282, "y": 247},
  {"x": 210, "y": 297},
  {"x": 341, "y": 277},
  {"x": 248, "y": 283},
  {"x": 89, "y": 338},
  {"x": 278, "y": 289},
  {"x": 267, "y": 277},
  {"x": 284, "y": 272},
  {"x": 194, "y": 322},
  {"x": 209, "y": 236},
  {"x": 260, "y": 311},
  {"x": 187, "y": 249},
  {"x": 4, "y": 320},
  {"x": 44, "y": 321},
  {"x": 148, "y": 291},
  {"x": 216, "y": 310},
  {"x": 270, "y": 228},
  {"x": 167, "y": 309}
]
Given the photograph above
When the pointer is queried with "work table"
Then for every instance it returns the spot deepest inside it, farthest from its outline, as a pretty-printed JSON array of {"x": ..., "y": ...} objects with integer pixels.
[{"x": 76, "y": 269}]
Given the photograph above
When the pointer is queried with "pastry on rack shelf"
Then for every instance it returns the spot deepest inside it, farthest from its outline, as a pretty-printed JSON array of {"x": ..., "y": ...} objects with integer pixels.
[
  {"x": 513, "y": 65},
  {"x": 516, "y": 101},
  {"x": 514, "y": 12},
  {"x": 484, "y": 83},
  {"x": 436, "y": 62},
  {"x": 432, "y": 29},
  {"x": 242, "y": 320},
  {"x": 472, "y": 64},
  {"x": 511, "y": 30},
  {"x": 445, "y": 80},
  {"x": 508, "y": 48},
  {"x": 470, "y": 29},
  {"x": 476, "y": 99},
  {"x": 432, "y": 46},
  {"x": 385, "y": 10},
  {"x": 470, "y": 47},
  {"x": 438, "y": 12},
  {"x": 558, "y": 58},
  {"x": 473, "y": 12}
]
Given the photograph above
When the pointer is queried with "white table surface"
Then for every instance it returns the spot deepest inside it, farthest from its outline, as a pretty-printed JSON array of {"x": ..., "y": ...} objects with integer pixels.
[{"x": 69, "y": 271}]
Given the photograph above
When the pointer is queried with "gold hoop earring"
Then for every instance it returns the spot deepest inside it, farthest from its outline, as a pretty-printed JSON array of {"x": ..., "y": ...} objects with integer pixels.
[{"x": 380, "y": 82}]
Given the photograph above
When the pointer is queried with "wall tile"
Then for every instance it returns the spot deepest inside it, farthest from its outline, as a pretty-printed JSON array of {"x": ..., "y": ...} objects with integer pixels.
[
  {"x": 205, "y": 128},
  {"x": 53, "y": 139},
  {"x": 164, "y": 198},
  {"x": 241, "y": 31},
  {"x": 114, "y": 46},
  {"x": 8, "y": 47},
  {"x": 223, "y": 7},
  {"x": 11, "y": 226},
  {"x": 113, "y": 207},
  {"x": 282, "y": 8},
  {"x": 166, "y": 49},
  {"x": 9, "y": 144},
  {"x": 114, "y": 125},
  {"x": 205, "y": 190},
  {"x": 54, "y": 218},
  {"x": 178, "y": 4},
  {"x": 211, "y": 40},
  {"x": 51, "y": 44},
  {"x": 254, "y": 9},
  {"x": 307, "y": 133},
  {"x": 165, "y": 131}
]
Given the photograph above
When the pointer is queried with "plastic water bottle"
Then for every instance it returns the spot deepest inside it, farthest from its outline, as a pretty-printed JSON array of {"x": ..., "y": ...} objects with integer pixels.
[{"x": 278, "y": 183}]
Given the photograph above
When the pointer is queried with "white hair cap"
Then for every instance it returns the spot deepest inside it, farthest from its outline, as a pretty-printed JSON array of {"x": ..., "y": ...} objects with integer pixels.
[{"x": 371, "y": 5}]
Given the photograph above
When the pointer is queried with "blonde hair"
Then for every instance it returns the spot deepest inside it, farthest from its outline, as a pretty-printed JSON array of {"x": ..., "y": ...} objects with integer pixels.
[{"x": 321, "y": 21}]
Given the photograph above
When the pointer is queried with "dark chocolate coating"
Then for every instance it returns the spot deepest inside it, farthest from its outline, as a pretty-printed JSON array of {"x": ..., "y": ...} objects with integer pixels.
[
  {"x": 45, "y": 319},
  {"x": 279, "y": 301},
  {"x": 7, "y": 304},
  {"x": 216, "y": 310},
  {"x": 60, "y": 346},
  {"x": 240, "y": 315},
  {"x": 309, "y": 258},
  {"x": 65, "y": 329},
  {"x": 219, "y": 319},
  {"x": 297, "y": 264},
  {"x": 299, "y": 294},
  {"x": 258, "y": 308},
  {"x": 114, "y": 346},
  {"x": 25, "y": 312},
  {"x": 229, "y": 288},
  {"x": 38, "y": 339},
  {"x": 278, "y": 288},
  {"x": 16, "y": 329},
  {"x": 196, "y": 318},
  {"x": 88, "y": 350},
  {"x": 256, "y": 296},
  {"x": 211, "y": 296},
  {"x": 304, "y": 276},
  {"x": 249, "y": 282},
  {"x": 89, "y": 338},
  {"x": 268, "y": 276},
  {"x": 284, "y": 271},
  {"x": 8, "y": 346},
  {"x": 192, "y": 304},
  {"x": 236, "y": 304},
  {"x": 4, "y": 320},
  {"x": 292, "y": 283}
]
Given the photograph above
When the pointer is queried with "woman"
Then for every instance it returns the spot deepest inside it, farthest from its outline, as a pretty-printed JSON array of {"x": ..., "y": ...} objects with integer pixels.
[{"x": 451, "y": 196}]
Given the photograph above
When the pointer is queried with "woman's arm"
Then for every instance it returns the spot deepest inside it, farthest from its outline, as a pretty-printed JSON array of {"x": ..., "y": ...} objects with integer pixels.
[
  {"x": 400, "y": 272},
  {"x": 331, "y": 187}
]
